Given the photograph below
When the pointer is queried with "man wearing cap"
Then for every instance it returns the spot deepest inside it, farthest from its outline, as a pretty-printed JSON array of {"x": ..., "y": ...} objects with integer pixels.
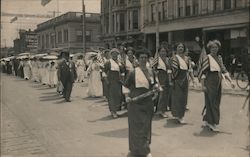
[{"x": 67, "y": 75}]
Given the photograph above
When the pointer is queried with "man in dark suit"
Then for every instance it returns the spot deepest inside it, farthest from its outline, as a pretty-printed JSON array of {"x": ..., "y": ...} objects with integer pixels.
[{"x": 67, "y": 75}]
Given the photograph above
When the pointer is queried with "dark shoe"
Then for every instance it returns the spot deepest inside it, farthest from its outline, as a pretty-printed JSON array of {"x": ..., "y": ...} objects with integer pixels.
[{"x": 67, "y": 100}]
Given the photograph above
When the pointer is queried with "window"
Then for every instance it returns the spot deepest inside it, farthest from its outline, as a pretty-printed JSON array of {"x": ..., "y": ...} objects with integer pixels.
[
  {"x": 43, "y": 42},
  {"x": 107, "y": 23},
  {"x": 122, "y": 2},
  {"x": 152, "y": 9},
  {"x": 204, "y": 5},
  {"x": 188, "y": 7},
  {"x": 195, "y": 7},
  {"x": 238, "y": 3},
  {"x": 180, "y": 8},
  {"x": 47, "y": 40},
  {"x": 135, "y": 19},
  {"x": 88, "y": 36},
  {"x": 159, "y": 11},
  {"x": 59, "y": 36},
  {"x": 39, "y": 40},
  {"x": 79, "y": 35},
  {"x": 122, "y": 22},
  {"x": 66, "y": 35},
  {"x": 113, "y": 21},
  {"x": 217, "y": 5},
  {"x": 116, "y": 22},
  {"x": 227, "y": 4},
  {"x": 52, "y": 40},
  {"x": 165, "y": 10}
]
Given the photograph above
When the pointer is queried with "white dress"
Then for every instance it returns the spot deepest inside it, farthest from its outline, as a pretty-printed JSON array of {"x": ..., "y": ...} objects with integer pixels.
[
  {"x": 35, "y": 71},
  {"x": 80, "y": 70},
  {"x": 27, "y": 69},
  {"x": 53, "y": 75},
  {"x": 94, "y": 84}
]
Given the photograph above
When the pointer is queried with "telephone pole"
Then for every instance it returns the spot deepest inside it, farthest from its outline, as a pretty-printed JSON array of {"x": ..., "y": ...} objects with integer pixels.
[
  {"x": 157, "y": 25},
  {"x": 83, "y": 28}
]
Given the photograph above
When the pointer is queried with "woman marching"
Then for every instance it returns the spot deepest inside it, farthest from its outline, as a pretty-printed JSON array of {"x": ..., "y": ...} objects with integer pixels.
[
  {"x": 114, "y": 72},
  {"x": 163, "y": 71},
  {"x": 211, "y": 72},
  {"x": 94, "y": 83},
  {"x": 140, "y": 112},
  {"x": 181, "y": 68}
]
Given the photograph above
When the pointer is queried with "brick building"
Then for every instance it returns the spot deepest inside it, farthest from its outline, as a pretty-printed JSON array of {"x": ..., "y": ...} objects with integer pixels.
[
  {"x": 65, "y": 32},
  {"x": 178, "y": 21},
  {"x": 120, "y": 21}
]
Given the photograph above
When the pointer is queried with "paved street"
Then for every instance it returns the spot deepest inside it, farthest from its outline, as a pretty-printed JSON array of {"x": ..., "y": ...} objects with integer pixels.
[{"x": 36, "y": 122}]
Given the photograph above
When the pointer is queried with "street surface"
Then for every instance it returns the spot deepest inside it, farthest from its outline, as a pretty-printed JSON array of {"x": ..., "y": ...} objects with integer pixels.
[{"x": 36, "y": 122}]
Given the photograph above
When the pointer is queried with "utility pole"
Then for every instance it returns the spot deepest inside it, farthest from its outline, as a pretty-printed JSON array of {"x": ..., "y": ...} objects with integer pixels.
[
  {"x": 83, "y": 28},
  {"x": 157, "y": 25}
]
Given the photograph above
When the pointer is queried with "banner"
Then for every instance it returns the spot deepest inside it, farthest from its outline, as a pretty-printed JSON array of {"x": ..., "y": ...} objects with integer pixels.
[{"x": 45, "y": 2}]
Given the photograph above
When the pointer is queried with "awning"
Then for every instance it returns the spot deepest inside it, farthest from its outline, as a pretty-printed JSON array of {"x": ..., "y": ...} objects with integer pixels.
[{"x": 225, "y": 27}]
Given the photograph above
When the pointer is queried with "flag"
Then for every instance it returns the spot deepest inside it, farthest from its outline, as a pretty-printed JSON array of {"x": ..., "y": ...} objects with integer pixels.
[
  {"x": 45, "y": 2},
  {"x": 100, "y": 60},
  {"x": 13, "y": 19},
  {"x": 203, "y": 62},
  {"x": 155, "y": 60}
]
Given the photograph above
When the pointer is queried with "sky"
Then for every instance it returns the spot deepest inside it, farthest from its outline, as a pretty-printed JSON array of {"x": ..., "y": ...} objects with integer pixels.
[{"x": 9, "y": 31}]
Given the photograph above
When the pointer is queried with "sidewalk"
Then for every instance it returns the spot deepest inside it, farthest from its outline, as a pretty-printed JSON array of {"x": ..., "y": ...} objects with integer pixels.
[{"x": 226, "y": 89}]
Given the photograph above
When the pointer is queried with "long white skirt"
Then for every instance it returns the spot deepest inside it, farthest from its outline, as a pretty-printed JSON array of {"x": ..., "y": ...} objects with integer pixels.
[
  {"x": 80, "y": 74},
  {"x": 35, "y": 74},
  {"x": 27, "y": 72},
  {"x": 53, "y": 77},
  {"x": 95, "y": 84}
]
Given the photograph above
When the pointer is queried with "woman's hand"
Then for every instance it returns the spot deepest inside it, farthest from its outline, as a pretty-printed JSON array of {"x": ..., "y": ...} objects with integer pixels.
[
  {"x": 204, "y": 88},
  {"x": 128, "y": 99}
]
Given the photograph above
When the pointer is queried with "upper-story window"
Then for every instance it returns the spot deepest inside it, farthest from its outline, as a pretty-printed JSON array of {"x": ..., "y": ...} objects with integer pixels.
[
  {"x": 180, "y": 8},
  {"x": 217, "y": 5},
  {"x": 135, "y": 19},
  {"x": 165, "y": 9},
  {"x": 238, "y": 3},
  {"x": 66, "y": 35},
  {"x": 152, "y": 10},
  {"x": 122, "y": 2},
  {"x": 227, "y": 4},
  {"x": 122, "y": 21},
  {"x": 204, "y": 5},
  {"x": 47, "y": 40},
  {"x": 59, "y": 36},
  {"x": 88, "y": 35},
  {"x": 188, "y": 7},
  {"x": 195, "y": 7}
]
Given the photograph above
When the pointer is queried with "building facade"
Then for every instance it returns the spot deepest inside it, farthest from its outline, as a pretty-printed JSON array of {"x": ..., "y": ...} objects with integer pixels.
[
  {"x": 120, "y": 21},
  {"x": 65, "y": 32},
  {"x": 27, "y": 41},
  {"x": 177, "y": 21}
]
